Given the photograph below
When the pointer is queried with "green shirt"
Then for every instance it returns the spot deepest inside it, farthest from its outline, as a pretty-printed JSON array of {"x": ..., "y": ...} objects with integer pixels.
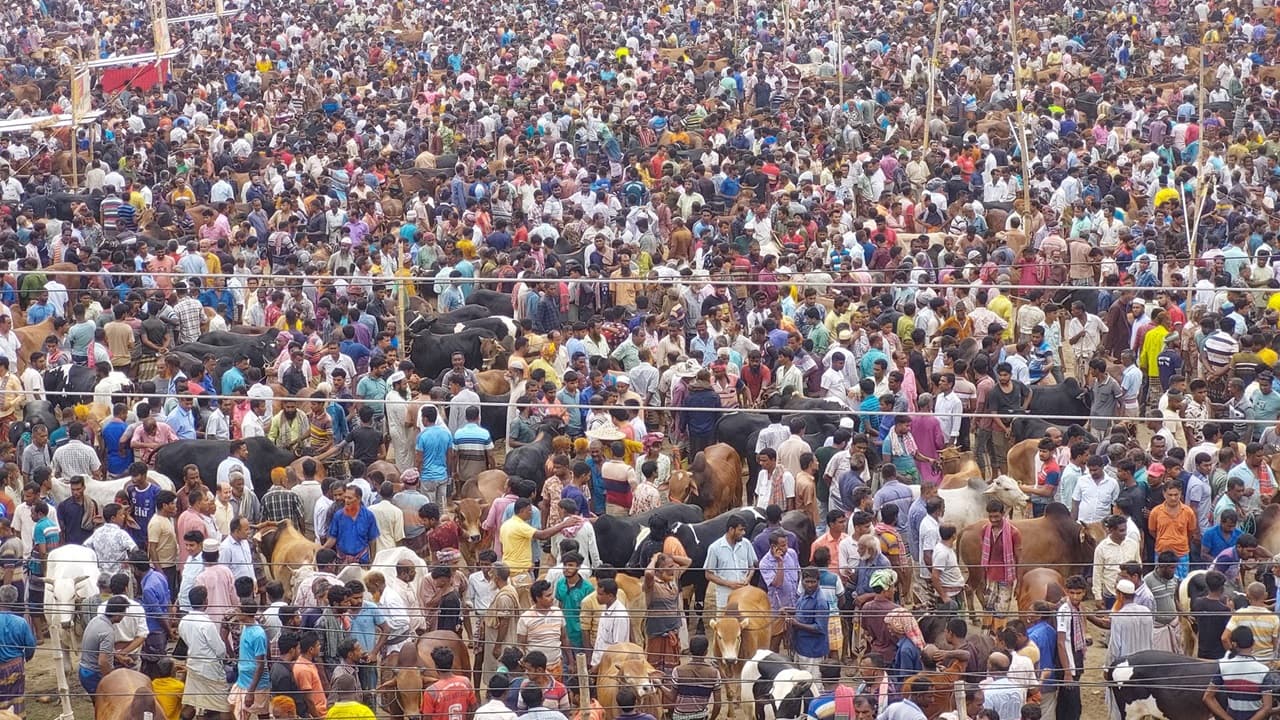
[
  {"x": 80, "y": 335},
  {"x": 570, "y": 599}
]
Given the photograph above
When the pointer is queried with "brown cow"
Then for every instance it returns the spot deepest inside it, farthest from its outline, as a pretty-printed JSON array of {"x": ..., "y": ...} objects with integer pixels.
[
  {"x": 407, "y": 682},
  {"x": 487, "y": 486},
  {"x": 31, "y": 338},
  {"x": 958, "y": 468},
  {"x": 468, "y": 513},
  {"x": 29, "y": 92},
  {"x": 633, "y": 588},
  {"x": 1022, "y": 461},
  {"x": 493, "y": 382},
  {"x": 125, "y": 694},
  {"x": 1055, "y": 540},
  {"x": 626, "y": 664},
  {"x": 389, "y": 472},
  {"x": 743, "y": 627},
  {"x": 287, "y": 551},
  {"x": 442, "y": 638},
  {"x": 1039, "y": 584},
  {"x": 713, "y": 481}
]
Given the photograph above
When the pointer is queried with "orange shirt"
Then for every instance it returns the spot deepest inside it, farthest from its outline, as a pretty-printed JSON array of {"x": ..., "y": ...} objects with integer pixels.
[
  {"x": 450, "y": 698},
  {"x": 1173, "y": 530},
  {"x": 307, "y": 675}
]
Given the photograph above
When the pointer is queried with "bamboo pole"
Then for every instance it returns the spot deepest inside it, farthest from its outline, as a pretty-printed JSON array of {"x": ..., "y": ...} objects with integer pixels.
[
  {"x": 1022, "y": 125},
  {"x": 933, "y": 71}
]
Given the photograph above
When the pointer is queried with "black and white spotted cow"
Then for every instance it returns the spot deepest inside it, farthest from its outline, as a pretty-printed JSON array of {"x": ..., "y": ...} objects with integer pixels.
[
  {"x": 780, "y": 690},
  {"x": 1160, "y": 685}
]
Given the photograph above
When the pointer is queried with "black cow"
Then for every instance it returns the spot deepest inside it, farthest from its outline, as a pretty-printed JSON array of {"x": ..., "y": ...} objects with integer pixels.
[
  {"x": 618, "y": 536},
  {"x": 1064, "y": 404},
  {"x": 1034, "y": 427},
  {"x": 431, "y": 353},
  {"x": 1160, "y": 684},
  {"x": 259, "y": 353},
  {"x": 778, "y": 688},
  {"x": 69, "y": 385},
  {"x": 222, "y": 338},
  {"x": 740, "y": 430},
  {"x": 814, "y": 422},
  {"x": 494, "y": 417},
  {"x": 499, "y": 303},
  {"x": 697, "y": 540},
  {"x": 501, "y": 327},
  {"x": 264, "y": 456},
  {"x": 463, "y": 314},
  {"x": 530, "y": 461},
  {"x": 36, "y": 412}
]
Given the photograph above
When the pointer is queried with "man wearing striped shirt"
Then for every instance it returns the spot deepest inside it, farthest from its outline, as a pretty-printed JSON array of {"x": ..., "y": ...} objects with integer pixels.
[
  {"x": 1237, "y": 689},
  {"x": 472, "y": 447}
]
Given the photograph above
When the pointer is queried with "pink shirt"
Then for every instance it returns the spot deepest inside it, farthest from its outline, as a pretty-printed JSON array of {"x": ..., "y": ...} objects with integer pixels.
[
  {"x": 163, "y": 436},
  {"x": 221, "y": 584}
]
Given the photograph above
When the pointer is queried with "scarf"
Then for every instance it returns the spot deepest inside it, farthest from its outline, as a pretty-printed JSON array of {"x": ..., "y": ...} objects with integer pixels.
[
  {"x": 1002, "y": 572},
  {"x": 902, "y": 445},
  {"x": 1077, "y": 628},
  {"x": 776, "y": 490}
]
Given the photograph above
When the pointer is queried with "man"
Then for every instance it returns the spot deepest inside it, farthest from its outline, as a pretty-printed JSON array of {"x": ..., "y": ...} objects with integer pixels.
[
  {"x": 237, "y": 457},
  {"x": 542, "y": 627},
  {"x": 235, "y": 552},
  {"x": 78, "y": 515},
  {"x": 1001, "y": 547},
  {"x": 434, "y": 457},
  {"x": 614, "y": 625},
  {"x": 809, "y": 623},
  {"x": 1163, "y": 583},
  {"x": 451, "y": 695},
  {"x": 1000, "y": 692},
  {"x": 775, "y": 484},
  {"x": 1094, "y": 493},
  {"x": 353, "y": 530},
  {"x": 156, "y": 602},
  {"x": 1247, "y": 697},
  {"x": 98, "y": 649},
  {"x": 279, "y": 504},
  {"x": 499, "y": 686},
  {"x": 473, "y": 449},
  {"x": 697, "y": 683},
  {"x": 18, "y": 648},
  {"x": 518, "y": 536},
  {"x": 1115, "y": 548},
  {"x": 1260, "y": 619},
  {"x": 730, "y": 563},
  {"x": 1131, "y": 627},
  {"x": 248, "y": 696},
  {"x": 217, "y": 580},
  {"x": 388, "y": 517},
  {"x": 1175, "y": 527},
  {"x": 111, "y": 541}
]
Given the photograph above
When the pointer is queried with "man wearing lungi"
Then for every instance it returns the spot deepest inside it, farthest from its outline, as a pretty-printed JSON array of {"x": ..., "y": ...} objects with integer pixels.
[{"x": 17, "y": 646}]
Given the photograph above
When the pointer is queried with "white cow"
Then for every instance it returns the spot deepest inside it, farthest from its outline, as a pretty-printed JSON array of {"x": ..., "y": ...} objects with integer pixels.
[
  {"x": 104, "y": 492},
  {"x": 969, "y": 504},
  {"x": 71, "y": 578}
]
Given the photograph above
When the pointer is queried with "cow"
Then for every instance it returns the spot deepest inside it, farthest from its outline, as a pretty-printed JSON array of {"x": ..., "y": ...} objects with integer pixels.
[
  {"x": 104, "y": 492},
  {"x": 31, "y": 338},
  {"x": 697, "y": 540},
  {"x": 487, "y": 486},
  {"x": 1039, "y": 584},
  {"x": 71, "y": 578},
  {"x": 498, "y": 303},
  {"x": 969, "y": 504},
  {"x": 625, "y": 664},
  {"x": 493, "y": 382},
  {"x": 388, "y": 559},
  {"x": 744, "y": 625},
  {"x": 530, "y": 461},
  {"x": 504, "y": 328},
  {"x": 432, "y": 354},
  {"x": 800, "y": 525},
  {"x": 222, "y": 338},
  {"x": 1065, "y": 403},
  {"x": 69, "y": 385},
  {"x": 37, "y": 411},
  {"x": 1055, "y": 540},
  {"x": 958, "y": 468},
  {"x": 740, "y": 430},
  {"x": 264, "y": 456},
  {"x": 125, "y": 694},
  {"x": 713, "y": 481},
  {"x": 288, "y": 552},
  {"x": 1021, "y": 460},
  {"x": 493, "y": 412},
  {"x": 778, "y": 689},
  {"x": 259, "y": 352},
  {"x": 466, "y": 313},
  {"x": 468, "y": 513},
  {"x": 442, "y": 638},
  {"x": 406, "y": 682},
  {"x": 618, "y": 536},
  {"x": 1156, "y": 684}
]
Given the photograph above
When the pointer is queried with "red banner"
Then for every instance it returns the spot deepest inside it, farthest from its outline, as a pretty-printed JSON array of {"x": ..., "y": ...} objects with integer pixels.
[{"x": 138, "y": 77}]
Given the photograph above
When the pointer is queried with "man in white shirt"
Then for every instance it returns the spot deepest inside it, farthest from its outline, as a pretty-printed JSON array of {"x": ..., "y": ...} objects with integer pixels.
[
  {"x": 775, "y": 483},
  {"x": 615, "y": 622},
  {"x": 236, "y": 552},
  {"x": 252, "y": 425},
  {"x": 833, "y": 381},
  {"x": 1094, "y": 493},
  {"x": 948, "y": 407}
]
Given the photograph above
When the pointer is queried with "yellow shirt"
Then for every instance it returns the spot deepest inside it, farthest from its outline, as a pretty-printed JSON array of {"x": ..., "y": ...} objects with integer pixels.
[
  {"x": 168, "y": 692},
  {"x": 214, "y": 263},
  {"x": 1001, "y": 305},
  {"x": 1152, "y": 346},
  {"x": 1268, "y": 356},
  {"x": 349, "y": 710},
  {"x": 517, "y": 548}
]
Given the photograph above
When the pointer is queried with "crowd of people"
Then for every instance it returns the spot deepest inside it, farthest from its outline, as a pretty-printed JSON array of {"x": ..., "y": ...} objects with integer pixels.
[{"x": 694, "y": 209}]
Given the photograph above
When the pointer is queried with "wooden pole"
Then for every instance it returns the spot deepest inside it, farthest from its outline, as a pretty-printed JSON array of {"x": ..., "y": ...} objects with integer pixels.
[
  {"x": 933, "y": 70},
  {"x": 838, "y": 36},
  {"x": 1024, "y": 151},
  {"x": 584, "y": 695}
]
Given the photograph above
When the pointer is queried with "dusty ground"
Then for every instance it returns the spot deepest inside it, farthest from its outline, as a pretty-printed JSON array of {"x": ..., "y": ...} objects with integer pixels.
[{"x": 42, "y": 685}]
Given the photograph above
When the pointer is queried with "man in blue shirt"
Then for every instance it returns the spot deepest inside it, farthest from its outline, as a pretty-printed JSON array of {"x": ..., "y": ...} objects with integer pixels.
[
  {"x": 17, "y": 646},
  {"x": 182, "y": 419},
  {"x": 155, "y": 602},
  {"x": 809, "y": 624},
  {"x": 233, "y": 378},
  {"x": 352, "y": 529},
  {"x": 433, "y": 449}
]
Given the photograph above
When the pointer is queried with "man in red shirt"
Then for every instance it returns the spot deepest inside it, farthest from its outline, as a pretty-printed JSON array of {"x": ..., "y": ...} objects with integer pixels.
[{"x": 451, "y": 697}]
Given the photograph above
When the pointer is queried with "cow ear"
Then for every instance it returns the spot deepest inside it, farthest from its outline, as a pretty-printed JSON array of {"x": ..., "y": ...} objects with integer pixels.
[{"x": 712, "y": 623}]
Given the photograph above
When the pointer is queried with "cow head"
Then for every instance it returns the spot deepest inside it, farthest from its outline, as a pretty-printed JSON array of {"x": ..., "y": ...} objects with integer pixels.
[
  {"x": 1006, "y": 490},
  {"x": 726, "y": 634},
  {"x": 468, "y": 513},
  {"x": 67, "y": 593},
  {"x": 634, "y": 671},
  {"x": 489, "y": 347}
]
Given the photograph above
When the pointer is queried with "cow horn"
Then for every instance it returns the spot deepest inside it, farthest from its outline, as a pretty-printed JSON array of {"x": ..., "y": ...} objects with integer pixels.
[
  {"x": 48, "y": 582},
  {"x": 81, "y": 578}
]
